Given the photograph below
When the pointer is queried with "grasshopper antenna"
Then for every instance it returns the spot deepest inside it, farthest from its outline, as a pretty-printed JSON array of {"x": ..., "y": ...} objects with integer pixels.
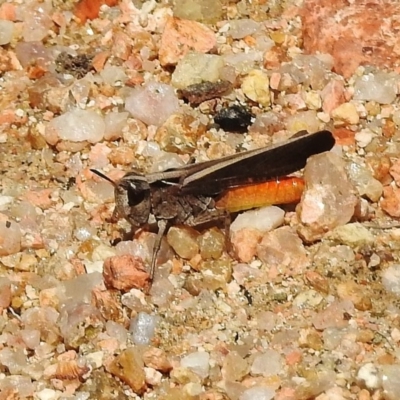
[{"x": 98, "y": 173}]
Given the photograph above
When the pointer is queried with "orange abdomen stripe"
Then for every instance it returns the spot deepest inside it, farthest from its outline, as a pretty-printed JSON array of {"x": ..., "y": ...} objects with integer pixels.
[{"x": 282, "y": 191}]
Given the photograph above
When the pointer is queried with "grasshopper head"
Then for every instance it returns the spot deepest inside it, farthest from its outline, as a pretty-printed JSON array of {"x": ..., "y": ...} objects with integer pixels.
[{"x": 132, "y": 198}]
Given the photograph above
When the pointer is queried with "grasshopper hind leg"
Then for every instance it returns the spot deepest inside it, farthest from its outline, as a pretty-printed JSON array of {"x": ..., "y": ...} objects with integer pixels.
[{"x": 162, "y": 227}]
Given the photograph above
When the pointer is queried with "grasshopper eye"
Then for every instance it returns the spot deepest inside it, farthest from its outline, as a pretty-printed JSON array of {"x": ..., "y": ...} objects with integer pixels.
[{"x": 135, "y": 194}]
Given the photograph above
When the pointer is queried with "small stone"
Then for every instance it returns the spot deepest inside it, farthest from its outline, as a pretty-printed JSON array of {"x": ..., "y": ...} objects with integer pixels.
[
  {"x": 127, "y": 367},
  {"x": 329, "y": 199},
  {"x": 198, "y": 362},
  {"x": 142, "y": 328},
  {"x": 269, "y": 363},
  {"x": 243, "y": 62},
  {"x": 255, "y": 86},
  {"x": 196, "y": 68},
  {"x": 5, "y": 293},
  {"x": 395, "y": 171},
  {"x": 263, "y": 219},
  {"x": 234, "y": 367},
  {"x": 107, "y": 301},
  {"x": 183, "y": 376},
  {"x": 115, "y": 122},
  {"x": 247, "y": 229},
  {"x": 283, "y": 249},
  {"x": 241, "y": 28},
  {"x": 396, "y": 117},
  {"x": 122, "y": 155},
  {"x": 353, "y": 235},
  {"x": 211, "y": 244},
  {"x": 356, "y": 294},
  {"x": 258, "y": 393},
  {"x": 294, "y": 101},
  {"x": 333, "y": 316},
  {"x": 180, "y": 134},
  {"x": 153, "y": 103},
  {"x": 390, "y": 377},
  {"x": 181, "y": 36},
  {"x": 317, "y": 281},
  {"x": 6, "y": 31},
  {"x": 216, "y": 274},
  {"x": 184, "y": 241},
  {"x": 47, "y": 394},
  {"x": 391, "y": 279},
  {"x": 49, "y": 94},
  {"x": 157, "y": 359},
  {"x": 267, "y": 122},
  {"x": 368, "y": 375},
  {"x": 364, "y": 181},
  {"x": 125, "y": 272},
  {"x": 153, "y": 377},
  {"x": 308, "y": 299},
  {"x": 346, "y": 113},
  {"x": 113, "y": 75},
  {"x": 74, "y": 321},
  {"x": 363, "y": 137},
  {"x": 245, "y": 242},
  {"x": 333, "y": 95},
  {"x": 344, "y": 137},
  {"x": 380, "y": 87},
  {"x": 207, "y": 11},
  {"x": 10, "y": 238},
  {"x": 305, "y": 120},
  {"x": 37, "y": 21},
  {"x": 312, "y": 100},
  {"x": 235, "y": 118},
  {"x": 313, "y": 341},
  {"x": 76, "y": 126},
  {"x": 391, "y": 201}
]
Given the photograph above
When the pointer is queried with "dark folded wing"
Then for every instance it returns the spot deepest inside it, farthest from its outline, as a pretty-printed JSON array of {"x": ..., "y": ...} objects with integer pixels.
[{"x": 259, "y": 165}]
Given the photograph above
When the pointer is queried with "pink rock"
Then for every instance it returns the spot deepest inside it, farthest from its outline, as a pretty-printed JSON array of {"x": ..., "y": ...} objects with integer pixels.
[
  {"x": 333, "y": 95},
  {"x": 99, "y": 60},
  {"x": 40, "y": 198},
  {"x": 329, "y": 199},
  {"x": 122, "y": 46},
  {"x": 243, "y": 272},
  {"x": 283, "y": 249},
  {"x": 5, "y": 293},
  {"x": 333, "y": 316},
  {"x": 244, "y": 243},
  {"x": 157, "y": 359},
  {"x": 11, "y": 117},
  {"x": 10, "y": 238},
  {"x": 181, "y": 36},
  {"x": 31, "y": 234},
  {"x": 344, "y": 137},
  {"x": 354, "y": 33},
  {"x": 98, "y": 155},
  {"x": 391, "y": 201},
  {"x": 125, "y": 272},
  {"x": 274, "y": 80},
  {"x": 395, "y": 171},
  {"x": 8, "y": 12}
]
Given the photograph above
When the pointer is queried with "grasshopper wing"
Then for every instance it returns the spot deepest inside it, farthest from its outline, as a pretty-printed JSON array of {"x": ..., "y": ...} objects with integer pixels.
[{"x": 254, "y": 166}]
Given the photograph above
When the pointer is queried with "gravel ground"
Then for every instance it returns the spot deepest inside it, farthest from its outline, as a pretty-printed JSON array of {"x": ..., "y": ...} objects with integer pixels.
[{"x": 306, "y": 307}]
